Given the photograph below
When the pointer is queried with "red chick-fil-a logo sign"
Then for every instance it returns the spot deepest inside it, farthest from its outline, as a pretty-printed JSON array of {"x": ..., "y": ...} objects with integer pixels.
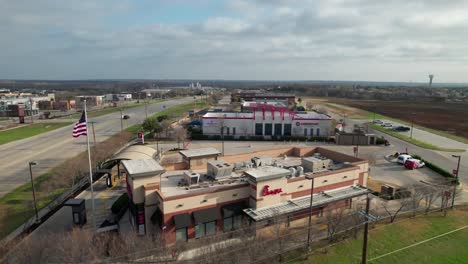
[{"x": 266, "y": 191}]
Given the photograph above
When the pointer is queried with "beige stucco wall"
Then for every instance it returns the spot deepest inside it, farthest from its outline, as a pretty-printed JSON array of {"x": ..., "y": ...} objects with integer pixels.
[
  {"x": 211, "y": 199},
  {"x": 138, "y": 187}
]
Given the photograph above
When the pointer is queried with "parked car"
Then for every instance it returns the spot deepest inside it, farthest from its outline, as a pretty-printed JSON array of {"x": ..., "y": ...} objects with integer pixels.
[
  {"x": 125, "y": 117},
  {"x": 377, "y": 121},
  {"x": 387, "y": 125},
  {"x": 402, "y": 158},
  {"x": 412, "y": 164},
  {"x": 401, "y": 128}
]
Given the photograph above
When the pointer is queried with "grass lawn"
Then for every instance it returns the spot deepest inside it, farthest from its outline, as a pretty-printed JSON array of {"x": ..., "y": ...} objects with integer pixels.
[
  {"x": 412, "y": 140},
  {"x": 29, "y": 131},
  {"x": 386, "y": 238},
  {"x": 16, "y": 207}
]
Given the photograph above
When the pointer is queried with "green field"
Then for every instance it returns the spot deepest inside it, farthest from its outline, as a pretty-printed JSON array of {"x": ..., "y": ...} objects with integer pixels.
[
  {"x": 29, "y": 131},
  {"x": 412, "y": 140},
  {"x": 16, "y": 207},
  {"x": 386, "y": 238}
]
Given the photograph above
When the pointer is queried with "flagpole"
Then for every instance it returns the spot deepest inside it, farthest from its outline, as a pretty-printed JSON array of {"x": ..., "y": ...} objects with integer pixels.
[{"x": 90, "y": 168}]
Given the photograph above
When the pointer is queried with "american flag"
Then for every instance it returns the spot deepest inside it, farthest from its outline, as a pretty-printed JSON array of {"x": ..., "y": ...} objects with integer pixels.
[{"x": 80, "y": 127}]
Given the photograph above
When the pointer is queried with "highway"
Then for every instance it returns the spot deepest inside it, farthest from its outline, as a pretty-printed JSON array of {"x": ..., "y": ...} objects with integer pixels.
[{"x": 52, "y": 148}]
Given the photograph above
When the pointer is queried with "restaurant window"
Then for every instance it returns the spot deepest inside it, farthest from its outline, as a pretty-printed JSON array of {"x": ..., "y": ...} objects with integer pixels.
[
  {"x": 318, "y": 132},
  {"x": 259, "y": 129},
  {"x": 311, "y": 132},
  {"x": 287, "y": 129},
  {"x": 305, "y": 132},
  {"x": 232, "y": 223},
  {"x": 234, "y": 131},
  {"x": 181, "y": 234},
  {"x": 277, "y": 129},
  {"x": 268, "y": 129},
  {"x": 205, "y": 229}
]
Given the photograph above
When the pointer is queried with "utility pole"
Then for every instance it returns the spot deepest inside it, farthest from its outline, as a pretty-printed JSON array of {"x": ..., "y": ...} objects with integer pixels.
[
  {"x": 31, "y": 163},
  {"x": 456, "y": 179},
  {"x": 366, "y": 233},
  {"x": 412, "y": 121},
  {"x": 146, "y": 109},
  {"x": 222, "y": 141},
  {"x": 31, "y": 102},
  {"x": 94, "y": 134},
  {"x": 310, "y": 177},
  {"x": 121, "y": 120}
]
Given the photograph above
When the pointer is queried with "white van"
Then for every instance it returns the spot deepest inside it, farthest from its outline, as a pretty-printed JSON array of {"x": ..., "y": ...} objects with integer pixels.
[{"x": 402, "y": 158}]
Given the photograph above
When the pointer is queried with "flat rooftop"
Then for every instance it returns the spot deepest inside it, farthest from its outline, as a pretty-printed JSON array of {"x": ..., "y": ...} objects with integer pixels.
[
  {"x": 193, "y": 153},
  {"x": 266, "y": 173},
  {"x": 171, "y": 183},
  {"x": 142, "y": 167}
]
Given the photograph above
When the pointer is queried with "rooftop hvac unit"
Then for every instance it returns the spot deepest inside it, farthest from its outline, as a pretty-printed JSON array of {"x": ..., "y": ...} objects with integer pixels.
[
  {"x": 293, "y": 172},
  {"x": 262, "y": 161},
  {"x": 315, "y": 164},
  {"x": 191, "y": 178},
  {"x": 300, "y": 171},
  {"x": 239, "y": 165},
  {"x": 218, "y": 168}
]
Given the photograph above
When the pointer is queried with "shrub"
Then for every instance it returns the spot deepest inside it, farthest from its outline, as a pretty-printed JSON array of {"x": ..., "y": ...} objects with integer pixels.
[
  {"x": 162, "y": 117},
  {"x": 380, "y": 141},
  {"x": 120, "y": 203},
  {"x": 434, "y": 167}
]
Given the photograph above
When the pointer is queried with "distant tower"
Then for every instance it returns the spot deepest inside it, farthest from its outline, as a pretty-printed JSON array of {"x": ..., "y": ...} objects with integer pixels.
[{"x": 431, "y": 76}]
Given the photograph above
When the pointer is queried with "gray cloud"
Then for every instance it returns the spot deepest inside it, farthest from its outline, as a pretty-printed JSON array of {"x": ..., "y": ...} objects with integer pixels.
[{"x": 353, "y": 39}]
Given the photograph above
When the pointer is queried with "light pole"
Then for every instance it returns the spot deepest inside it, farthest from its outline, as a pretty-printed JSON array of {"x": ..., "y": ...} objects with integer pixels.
[
  {"x": 456, "y": 179},
  {"x": 310, "y": 177},
  {"x": 31, "y": 163},
  {"x": 412, "y": 121},
  {"x": 222, "y": 139},
  {"x": 31, "y": 102},
  {"x": 121, "y": 120},
  {"x": 366, "y": 233}
]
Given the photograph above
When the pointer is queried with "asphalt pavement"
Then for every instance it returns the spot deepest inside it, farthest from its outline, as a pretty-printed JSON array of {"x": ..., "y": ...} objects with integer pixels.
[
  {"x": 51, "y": 148},
  {"x": 442, "y": 159}
]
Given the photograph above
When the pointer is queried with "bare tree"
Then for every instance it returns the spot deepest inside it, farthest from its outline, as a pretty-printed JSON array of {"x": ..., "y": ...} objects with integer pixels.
[
  {"x": 309, "y": 105},
  {"x": 335, "y": 219},
  {"x": 180, "y": 135},
  {"x": 165, "y": 126},
  {"x": 432, "y": 193},
  {"x": 394, "y": 207},
  {"x": 417, "y": 195}
]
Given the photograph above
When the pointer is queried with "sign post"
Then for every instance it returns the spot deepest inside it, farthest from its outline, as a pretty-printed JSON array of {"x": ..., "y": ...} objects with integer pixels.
[{"x": 140, "y": 137}]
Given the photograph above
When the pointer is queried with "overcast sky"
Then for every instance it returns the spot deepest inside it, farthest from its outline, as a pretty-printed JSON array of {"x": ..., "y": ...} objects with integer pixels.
[{"x": 370, "y": 40}]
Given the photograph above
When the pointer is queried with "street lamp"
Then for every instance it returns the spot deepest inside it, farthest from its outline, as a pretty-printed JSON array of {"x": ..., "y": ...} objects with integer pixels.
[
  {"x": 310, "y": 176},
  {"x": 222, "y": 139},
  {"x": 456, "y": 178},
  {"x": 412, "y": 123},
  {"x": 32, "y": 163}
]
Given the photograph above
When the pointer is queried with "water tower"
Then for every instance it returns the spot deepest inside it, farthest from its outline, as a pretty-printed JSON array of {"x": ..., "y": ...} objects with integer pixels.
[{"x": 431, "y": 76}]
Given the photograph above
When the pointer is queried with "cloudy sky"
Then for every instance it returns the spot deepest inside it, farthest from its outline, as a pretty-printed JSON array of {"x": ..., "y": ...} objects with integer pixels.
[{"x": 372, "y": 40}]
